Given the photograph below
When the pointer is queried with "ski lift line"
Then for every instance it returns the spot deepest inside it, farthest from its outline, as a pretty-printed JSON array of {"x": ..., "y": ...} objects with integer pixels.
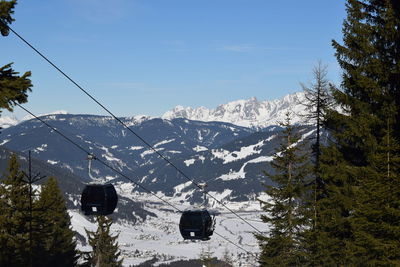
[
  {"x": 141, "y": 186},
  {"x": 123, "y": 175},
  {"x": 124, "y": 125},
  {"x": 99, "y": 160},
  {"x": 54, "y": 129}
]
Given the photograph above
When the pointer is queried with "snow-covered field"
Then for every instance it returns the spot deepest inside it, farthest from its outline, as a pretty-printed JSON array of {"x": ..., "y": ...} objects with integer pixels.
[{"x": 160, "y": 237}]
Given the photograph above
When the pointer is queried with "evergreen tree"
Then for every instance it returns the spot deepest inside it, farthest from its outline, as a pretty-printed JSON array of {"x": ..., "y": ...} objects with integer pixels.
[
  {"x": 58, "y": 237},
  {"x": 105, "y": 251},
  {"x": 318, "y": 101},
  {"x": 14, "y": 217},
  {"x": 6, "y": 10},
  {"x": 37, "y": 235},
  {"x": 370, "y": 98},
  {"x": 286, "y": 216},
  {"x": 13, "y": 87},
  {"x": 377, "y": 211}
]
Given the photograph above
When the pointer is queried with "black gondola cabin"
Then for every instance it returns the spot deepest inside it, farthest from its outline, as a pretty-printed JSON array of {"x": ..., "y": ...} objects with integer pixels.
[
  {"x": 99, "y": 199},
  {"x": 196, "y": 224}
]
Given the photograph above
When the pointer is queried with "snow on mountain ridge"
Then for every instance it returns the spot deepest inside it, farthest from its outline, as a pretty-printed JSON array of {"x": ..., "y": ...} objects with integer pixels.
[
  {"x": 6, "y": 122},
  {"x": 247, "y": 113},
  {"x": 57, "y": 112}
]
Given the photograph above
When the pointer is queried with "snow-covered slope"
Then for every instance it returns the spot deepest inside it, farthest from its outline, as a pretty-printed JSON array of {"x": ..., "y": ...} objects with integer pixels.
[
  {"x": 108, "y": 140},
  {"x": 247, "y": 113},
  {"x": 158, "y": 236},
  {"x": 6, "y": 122},
  {"x": 148, "y": 228},
  {"x": 230, "y": 157}
]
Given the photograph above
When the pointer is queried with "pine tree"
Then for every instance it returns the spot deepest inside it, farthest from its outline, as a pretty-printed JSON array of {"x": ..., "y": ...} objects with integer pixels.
[
  {"x": 377, "y": 213},
  {"x": 13, "y": 87},
  {"x": 37, "y": 235},
  {"x": 286, "y": 216},
  {"x": 14, "y": 217},
  {"x": 58, "y": 237},
  {"x": 105, "y": 251},
  {"x": 318, "y": 101},
  {"x": 6, "y": 10},
  {"x": 370, "y": 98}
]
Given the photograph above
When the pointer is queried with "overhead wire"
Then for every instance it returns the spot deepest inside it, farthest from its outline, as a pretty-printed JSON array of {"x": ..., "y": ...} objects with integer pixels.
[
  {"x": 98, "y": 159},
  {"x": 119, "y": 172},
  {"x": 129, "y": 129}
]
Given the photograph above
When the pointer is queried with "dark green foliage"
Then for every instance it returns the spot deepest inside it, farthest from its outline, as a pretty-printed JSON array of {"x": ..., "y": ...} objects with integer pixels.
[
  {"x": 37, "y": 236},
  {"x": 58, "y": 237},
  {"x": 318, "y": 97},
  {"x": 318, "y": 100},
  {"x": 377, "y": 211},
  {"x": 6, "y": 10},
  {"x": 105, "y": 251},
  {"x": 360, "y": 216},
  {"x": 13, "y": 87},
  {"x": 334, "y": 232},
  {"x": 14, "y": 217},
  {"x": 286, "y": 209}
]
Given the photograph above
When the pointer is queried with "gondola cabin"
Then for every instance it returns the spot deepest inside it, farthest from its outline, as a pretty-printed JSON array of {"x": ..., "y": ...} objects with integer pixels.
[
  {"x": 98, "y": 199},
  {"x": 196, "y": 224}
]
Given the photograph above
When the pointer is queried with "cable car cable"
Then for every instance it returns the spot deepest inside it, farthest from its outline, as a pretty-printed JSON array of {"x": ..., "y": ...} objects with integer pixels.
[
  {"x": 123, "y": 175},
  {"x": 129, "y": 129},
  {"x": 99, "y": 160}
]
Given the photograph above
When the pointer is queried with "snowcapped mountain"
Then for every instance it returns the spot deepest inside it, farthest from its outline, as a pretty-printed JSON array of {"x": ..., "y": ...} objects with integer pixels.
[
  {"x": 148, "y": 227},
  {"x": 108, "y": 140},
  {"x": 6, "y": 122},
  {"x": 230, "y": 157},
  {"x": 248, "y": 113},
  {"x": 207, "y": 145}
]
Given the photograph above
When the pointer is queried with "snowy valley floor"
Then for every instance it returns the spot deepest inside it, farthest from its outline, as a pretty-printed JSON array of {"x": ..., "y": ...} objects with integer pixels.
[{"x": 159, "y": 237}]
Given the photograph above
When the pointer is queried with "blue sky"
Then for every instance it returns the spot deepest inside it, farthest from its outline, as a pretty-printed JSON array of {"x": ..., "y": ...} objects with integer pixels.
[{"x": 147, "y": 56}]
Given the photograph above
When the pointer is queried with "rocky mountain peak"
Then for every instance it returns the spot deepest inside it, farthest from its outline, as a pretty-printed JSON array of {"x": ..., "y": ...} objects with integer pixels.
[{"x": 248, "y": 113}]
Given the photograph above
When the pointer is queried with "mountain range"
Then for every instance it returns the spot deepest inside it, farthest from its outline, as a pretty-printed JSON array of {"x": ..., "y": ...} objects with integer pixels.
[
  {"x": 229, "y": 156},
  {"x": 247, "y": 113},
  {"x": 228, "y": 147}
]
